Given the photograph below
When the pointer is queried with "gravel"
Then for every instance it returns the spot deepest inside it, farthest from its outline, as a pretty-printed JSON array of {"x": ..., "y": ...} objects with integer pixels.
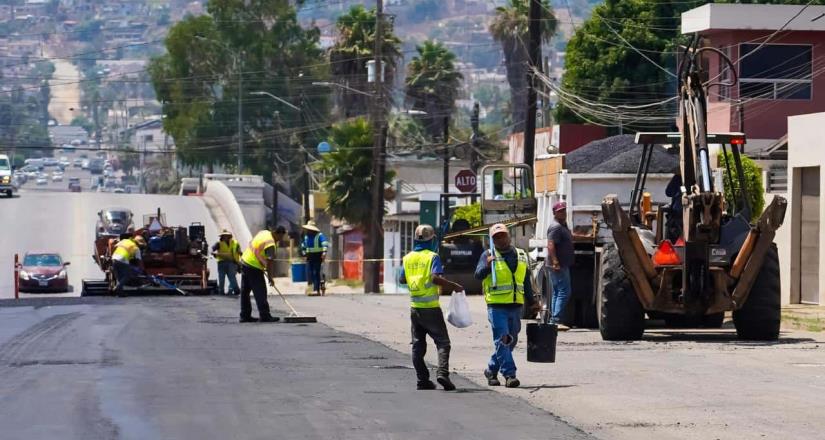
[{"x": 619, "y": 154}]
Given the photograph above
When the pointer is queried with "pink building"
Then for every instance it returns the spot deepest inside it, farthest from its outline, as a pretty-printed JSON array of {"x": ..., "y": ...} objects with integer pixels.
[{"x": 779, "y": 53}]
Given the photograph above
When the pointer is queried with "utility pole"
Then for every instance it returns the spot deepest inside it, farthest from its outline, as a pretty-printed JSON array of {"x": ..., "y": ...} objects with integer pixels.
[
  {"x": 475, "y": 143},
  {"x": 376, "y": 238},
  {"x": 534, "y": 55},
  {"x": 239, "y": 62},
  {"x": 446, "y": 155}
]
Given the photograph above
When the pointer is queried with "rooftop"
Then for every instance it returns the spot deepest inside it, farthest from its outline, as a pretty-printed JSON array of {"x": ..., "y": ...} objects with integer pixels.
[{"x": 715, "y": 16}]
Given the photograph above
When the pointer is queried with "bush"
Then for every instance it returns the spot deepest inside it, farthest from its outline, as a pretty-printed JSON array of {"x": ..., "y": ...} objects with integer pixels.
[
  {"x": 471, "y": 213},
  {"x": 753, "y": 183}
]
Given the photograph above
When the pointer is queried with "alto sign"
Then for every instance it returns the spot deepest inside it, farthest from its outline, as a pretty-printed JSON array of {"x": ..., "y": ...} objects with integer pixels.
[{"x": 465, "y": 181}]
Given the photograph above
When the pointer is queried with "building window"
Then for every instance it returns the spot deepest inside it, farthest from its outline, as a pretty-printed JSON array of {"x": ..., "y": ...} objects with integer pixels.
[
  {"x": 775, "y": 71},
  {"x": 725, "y": 76},
  {"x": 407, "y": 230},
  {"x": 149, "y": 138}
]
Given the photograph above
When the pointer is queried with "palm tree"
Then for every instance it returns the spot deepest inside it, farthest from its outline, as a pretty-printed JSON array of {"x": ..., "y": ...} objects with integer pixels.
[
  {"x": 353, "y": 48},
  {"x": 510, "y": 28},
  {"x": 432, "y": 85}
]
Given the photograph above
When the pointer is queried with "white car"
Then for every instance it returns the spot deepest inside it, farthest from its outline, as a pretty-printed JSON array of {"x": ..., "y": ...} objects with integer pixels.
[
  {"x": 85, "y": 164},
  {"x": 57, "y": 177},
  {"x": 42, "y": 181}
]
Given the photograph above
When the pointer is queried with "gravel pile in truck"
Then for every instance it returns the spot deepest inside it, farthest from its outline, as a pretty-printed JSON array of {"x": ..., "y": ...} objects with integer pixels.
[{"x": 618, "y": 155}]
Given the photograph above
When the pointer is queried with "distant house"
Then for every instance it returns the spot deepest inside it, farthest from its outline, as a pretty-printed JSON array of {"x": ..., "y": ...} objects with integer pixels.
[
  {"x": 149, "y": 136},
  {"x": 780, "y": 72},
  {"x": 65, "y": 134}
]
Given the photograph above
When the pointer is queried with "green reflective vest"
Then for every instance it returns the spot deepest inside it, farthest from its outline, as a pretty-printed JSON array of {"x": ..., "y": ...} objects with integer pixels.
[
  {"x": 509, "y": 288},
  {"x": 418, "y": 266},
  {"x": 229, "y": 251}
]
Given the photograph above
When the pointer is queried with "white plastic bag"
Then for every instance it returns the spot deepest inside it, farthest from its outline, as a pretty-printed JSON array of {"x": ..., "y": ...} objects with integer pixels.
[{"x": 459, "y": 313}]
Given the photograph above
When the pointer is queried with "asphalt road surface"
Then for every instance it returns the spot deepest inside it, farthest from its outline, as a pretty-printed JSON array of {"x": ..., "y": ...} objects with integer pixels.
[
  {"x": 184, "y": 368},
  {"x": 64, "y": 222}
]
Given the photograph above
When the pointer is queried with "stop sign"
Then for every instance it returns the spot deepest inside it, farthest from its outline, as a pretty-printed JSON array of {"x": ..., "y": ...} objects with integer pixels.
[{"x": 465, "y": 181}]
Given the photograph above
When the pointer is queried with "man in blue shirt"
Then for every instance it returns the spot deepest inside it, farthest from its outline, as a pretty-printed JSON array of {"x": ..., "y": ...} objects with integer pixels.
[
  {"x": 560, "y": 257},
  {"x": 314, "y": 246}
]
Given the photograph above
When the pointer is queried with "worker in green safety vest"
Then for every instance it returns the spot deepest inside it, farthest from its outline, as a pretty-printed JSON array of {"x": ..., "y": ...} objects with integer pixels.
[
  {"x": 505, "y": 274},
  {"x": 422, "y": 273}
]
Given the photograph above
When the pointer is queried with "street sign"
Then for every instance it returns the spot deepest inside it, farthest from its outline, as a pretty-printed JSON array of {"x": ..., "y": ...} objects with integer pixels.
[
  {"x": 465, "y": 181},
  {"x": 324, "y": 147}
]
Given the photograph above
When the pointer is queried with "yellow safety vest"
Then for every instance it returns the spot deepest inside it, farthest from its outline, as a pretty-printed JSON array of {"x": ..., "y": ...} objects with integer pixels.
[
  {"x": 126, "y": 248},
  {"x": 509, "y": 288},
  {"x": 418, "y": 266},
  {"x": 255, "y": 254},
  {"x": 228, "y": 251}
]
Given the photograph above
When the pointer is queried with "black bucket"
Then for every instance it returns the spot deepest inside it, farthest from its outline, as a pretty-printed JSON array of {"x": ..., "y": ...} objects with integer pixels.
[{"x": 541, "y": 342}]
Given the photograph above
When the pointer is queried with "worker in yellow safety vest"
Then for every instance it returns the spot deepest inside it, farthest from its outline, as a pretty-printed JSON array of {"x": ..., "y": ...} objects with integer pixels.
[
  {"x": 125, "y": 254},
  {"x": 505, "y": 274},
  {"x": 422, "y": 273},
  {"x": 258, "y": 267},
  {"x": 228, "y": 253}
]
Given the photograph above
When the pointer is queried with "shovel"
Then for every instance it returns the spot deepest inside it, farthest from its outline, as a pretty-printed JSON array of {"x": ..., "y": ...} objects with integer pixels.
[{"x": 293, "y": 317}]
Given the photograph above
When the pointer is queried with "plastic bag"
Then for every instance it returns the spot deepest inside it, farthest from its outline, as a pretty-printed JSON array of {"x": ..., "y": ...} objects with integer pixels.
[{"x": 459, "y": 313}]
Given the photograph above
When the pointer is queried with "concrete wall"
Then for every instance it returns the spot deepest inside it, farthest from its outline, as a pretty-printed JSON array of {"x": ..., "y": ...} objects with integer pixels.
[{"x": 806, "y": 148}]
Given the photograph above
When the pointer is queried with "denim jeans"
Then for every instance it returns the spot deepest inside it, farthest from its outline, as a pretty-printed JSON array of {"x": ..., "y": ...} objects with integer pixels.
[
  {"x": 561, "y": 291},
  {"x": 506, "y": 324},
  {"x": 314, "y": 271},
  {"x": 229, "y": 270}
]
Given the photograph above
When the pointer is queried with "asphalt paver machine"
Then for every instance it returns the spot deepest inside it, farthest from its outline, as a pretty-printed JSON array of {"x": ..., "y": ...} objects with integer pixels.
[
  {"x": 175, "y": 261},
  {"x": 716, "y": 258}
]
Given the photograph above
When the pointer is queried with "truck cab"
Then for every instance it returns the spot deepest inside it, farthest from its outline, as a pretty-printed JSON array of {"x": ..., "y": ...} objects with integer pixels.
[{"x": 6, "y": 185}]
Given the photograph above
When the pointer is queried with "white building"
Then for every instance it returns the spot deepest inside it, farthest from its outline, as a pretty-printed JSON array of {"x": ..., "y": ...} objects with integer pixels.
[{"x": 149, "y": 136}]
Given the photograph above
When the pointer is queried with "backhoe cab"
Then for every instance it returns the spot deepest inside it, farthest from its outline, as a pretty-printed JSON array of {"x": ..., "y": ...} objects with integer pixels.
[{"x": 690, "y": 265}]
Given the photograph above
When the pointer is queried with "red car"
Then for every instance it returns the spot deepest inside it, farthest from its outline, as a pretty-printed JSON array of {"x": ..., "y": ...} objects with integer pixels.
[{"x": 43, "y": 272}]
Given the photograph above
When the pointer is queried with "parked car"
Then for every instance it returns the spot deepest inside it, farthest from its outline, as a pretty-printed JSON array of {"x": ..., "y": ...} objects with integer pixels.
[
  {"x": 43, "y": 272},
  {"x": 85, "y": 164},
  {"x": 41, "y": 181},
  {"x": 75, "y": 187},
  {"x": 51, "y": 162},
  {"x": 57, "y": 177},
  {"x": 77, "y": 163},
  {"x": 113, "y": 221},
  {"x": 7, "y": 187}
]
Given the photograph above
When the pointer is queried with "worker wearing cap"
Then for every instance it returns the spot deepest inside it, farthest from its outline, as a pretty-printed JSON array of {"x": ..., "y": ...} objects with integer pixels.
[
  {"x": 228, "y": 253},
  {"x": 422, "y": 272},
  {"x": 258, "y": 266},
  {"x": 560, "y": 256},
  {"x": 505, "y": 274},
  {"x": 126, "y": 253},
  {"x": 314, "y": 246}
]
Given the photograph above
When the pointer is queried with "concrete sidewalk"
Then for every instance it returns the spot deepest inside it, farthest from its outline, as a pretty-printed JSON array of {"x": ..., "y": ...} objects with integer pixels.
[{"x": 675, "y": 384}]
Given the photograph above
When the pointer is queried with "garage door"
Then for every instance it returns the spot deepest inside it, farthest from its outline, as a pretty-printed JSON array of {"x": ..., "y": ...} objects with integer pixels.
[{"x": 809, "y": 237}]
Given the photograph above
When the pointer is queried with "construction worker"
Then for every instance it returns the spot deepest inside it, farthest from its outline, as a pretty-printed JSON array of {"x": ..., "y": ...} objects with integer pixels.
[
  {"x": 422, "y": 272},
  {"x": 228, "y": 253},
  {"x": 314, "y": 246},
  {"x": 125, "y": 254},
  {"x": 504, "y": 296},
  {"x": 258, "y": 266}
]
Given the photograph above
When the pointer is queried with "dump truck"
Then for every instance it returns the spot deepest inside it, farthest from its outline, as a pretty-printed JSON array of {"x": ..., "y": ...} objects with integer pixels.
[
  {"x": 175, "y": 260},
  {"x": 713, "y": 257}
]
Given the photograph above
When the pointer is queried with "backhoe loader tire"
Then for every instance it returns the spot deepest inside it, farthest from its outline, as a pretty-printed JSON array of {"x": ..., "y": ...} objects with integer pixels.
[
  {"x": 714, "y": 320},
  {"x": 621, "y": 317},
  {"x": 759, "y": 317}
]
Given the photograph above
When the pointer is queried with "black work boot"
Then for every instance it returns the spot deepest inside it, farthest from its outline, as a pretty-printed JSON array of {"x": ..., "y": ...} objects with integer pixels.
[
  {"x": 425, "y": 385},
  {"x": 512, "y": 382},
  {"x": 250, "y": 319},
  {"x": 445, "y": 382},
  {"x": 492, "y": 379}
]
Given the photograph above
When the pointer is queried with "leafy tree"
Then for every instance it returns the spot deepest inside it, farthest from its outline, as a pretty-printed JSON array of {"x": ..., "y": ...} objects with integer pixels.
[
  {"x": 347, "y": 172},
  {"x": 510, "y": 28},
  {"x": 197, "y": 81},
  {"x": 753, "y": 184},
  {"x": 354, "y": 47},
  {"x": 432, "y": 85},
  {"x": 83, "y": 121},
  {"x": 471, "y": 213}
]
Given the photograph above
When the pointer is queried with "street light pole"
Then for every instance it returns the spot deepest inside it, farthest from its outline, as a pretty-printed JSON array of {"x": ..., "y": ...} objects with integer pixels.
[{"x": 240, "y": 116}]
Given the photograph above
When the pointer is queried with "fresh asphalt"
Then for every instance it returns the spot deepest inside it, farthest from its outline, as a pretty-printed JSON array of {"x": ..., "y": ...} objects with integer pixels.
[{"x": 184, "y": 368}]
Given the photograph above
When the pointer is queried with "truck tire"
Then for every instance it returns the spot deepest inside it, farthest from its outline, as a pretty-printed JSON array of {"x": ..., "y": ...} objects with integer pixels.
[
  {"x": 621, "y": 316},
  {"x": 759, "y": 317}
]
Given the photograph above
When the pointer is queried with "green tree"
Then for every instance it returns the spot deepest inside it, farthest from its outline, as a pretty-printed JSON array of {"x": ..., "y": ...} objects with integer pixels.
[
  {"x": 83, "y": 121},
  {"x": 353, "y": 48},
  {"x": 197, "y": 81},
  {"x": 471, "y": 213},
  {"x": 432, "y": 85},
  {"x": 510, "y": 28},
  {"x": 753, "y": 184},
  {"x": 347, "y": 172}
]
